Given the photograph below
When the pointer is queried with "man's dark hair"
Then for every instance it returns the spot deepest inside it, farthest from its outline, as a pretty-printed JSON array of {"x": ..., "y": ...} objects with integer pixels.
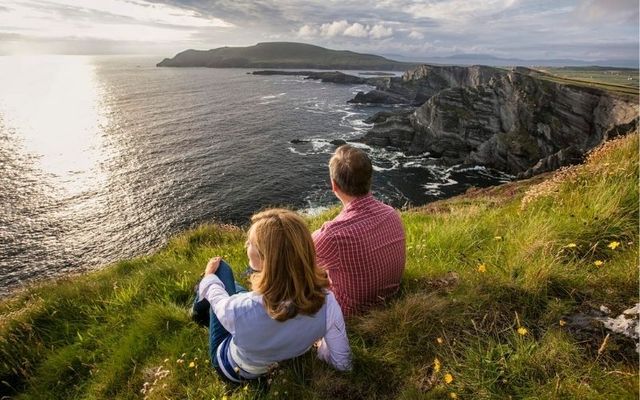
[{"x": 350, "y": 168}]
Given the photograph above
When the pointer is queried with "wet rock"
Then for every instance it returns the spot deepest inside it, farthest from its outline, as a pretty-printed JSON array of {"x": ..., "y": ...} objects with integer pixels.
[{"x": 338, "y": 142}]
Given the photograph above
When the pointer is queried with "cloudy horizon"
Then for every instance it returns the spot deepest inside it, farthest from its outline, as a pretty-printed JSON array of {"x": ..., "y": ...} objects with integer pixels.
[{"x": 565, "y": 29}]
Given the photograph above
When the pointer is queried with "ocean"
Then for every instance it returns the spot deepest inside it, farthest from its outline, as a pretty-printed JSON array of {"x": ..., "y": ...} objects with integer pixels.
[{"x": 103, "y": 158}]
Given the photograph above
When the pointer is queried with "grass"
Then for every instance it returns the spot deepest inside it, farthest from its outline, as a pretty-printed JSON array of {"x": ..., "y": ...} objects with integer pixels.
[
  {"x": 480, "y": 267},
  {"x": 621, "y": 81}
]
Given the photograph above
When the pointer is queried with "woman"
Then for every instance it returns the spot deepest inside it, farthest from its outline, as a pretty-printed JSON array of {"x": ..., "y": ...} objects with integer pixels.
[{"x": 289, "y": 309}]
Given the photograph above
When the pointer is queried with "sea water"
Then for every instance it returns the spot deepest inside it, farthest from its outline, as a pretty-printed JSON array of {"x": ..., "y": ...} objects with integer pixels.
[{"x": 104, "y": 158}]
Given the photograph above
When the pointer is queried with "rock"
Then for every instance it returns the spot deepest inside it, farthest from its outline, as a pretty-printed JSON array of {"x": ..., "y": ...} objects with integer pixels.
[
  {"x": 421, "y": 83},
  {"x": 331, "y": 77},
  {"x": 625, "y": 328},
  {"x": 382, "y": 116},
  {"x": 298, "y": 141},
  {"x": 270, "y": 72},
  {"x": 338, "y": 142},
  {"x": 376, "y": 73},
  {"x": 336, "y": 77},
  {"x": 625, "y": 324},
  {"x": 605, "y": 309},
  {"x": 378, "y": 97},
  {"x": 506, "y": 120},
  {"x": 568, "y": 156}
]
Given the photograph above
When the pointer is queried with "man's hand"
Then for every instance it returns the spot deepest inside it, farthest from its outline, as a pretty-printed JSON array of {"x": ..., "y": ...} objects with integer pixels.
[{"x": 212, "y": 266}]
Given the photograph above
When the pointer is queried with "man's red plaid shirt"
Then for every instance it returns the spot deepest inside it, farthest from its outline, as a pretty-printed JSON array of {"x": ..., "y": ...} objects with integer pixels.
[{"x": 363, "y": 250}]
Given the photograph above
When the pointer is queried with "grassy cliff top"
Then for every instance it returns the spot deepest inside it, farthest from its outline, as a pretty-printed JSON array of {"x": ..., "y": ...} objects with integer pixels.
[{"x": 492, "y": 280}]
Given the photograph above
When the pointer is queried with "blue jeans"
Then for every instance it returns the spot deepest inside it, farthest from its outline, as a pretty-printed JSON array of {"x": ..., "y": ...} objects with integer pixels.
[{"x": 203, "y": 315}]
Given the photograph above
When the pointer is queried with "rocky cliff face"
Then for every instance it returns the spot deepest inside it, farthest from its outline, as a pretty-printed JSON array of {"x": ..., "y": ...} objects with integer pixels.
[
  {"x": 512, "y": 121},
  {"x": 419, "y": 84}
]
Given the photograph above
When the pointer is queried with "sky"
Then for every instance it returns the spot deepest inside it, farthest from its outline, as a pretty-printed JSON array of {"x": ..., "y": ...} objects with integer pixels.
[{"x": 526, "y": 29}]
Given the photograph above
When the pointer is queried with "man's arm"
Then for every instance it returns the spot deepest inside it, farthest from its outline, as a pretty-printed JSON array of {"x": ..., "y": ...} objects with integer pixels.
[{"x": 327, "y": 255}]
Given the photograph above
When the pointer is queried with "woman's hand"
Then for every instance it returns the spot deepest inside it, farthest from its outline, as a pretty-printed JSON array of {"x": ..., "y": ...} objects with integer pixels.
[{"x": 212, "y": 266}]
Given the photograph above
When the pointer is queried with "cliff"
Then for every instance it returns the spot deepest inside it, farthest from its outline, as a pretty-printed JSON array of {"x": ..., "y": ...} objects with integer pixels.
[
  {"x": 282, "y": 55},
  {"x": 514, "y": 121}
]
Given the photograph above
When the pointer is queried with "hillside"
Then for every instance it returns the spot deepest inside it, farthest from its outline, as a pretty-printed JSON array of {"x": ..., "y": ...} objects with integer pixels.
[
  {"x": 496, "y": 286},
  {"x": 282, "y": 55}
]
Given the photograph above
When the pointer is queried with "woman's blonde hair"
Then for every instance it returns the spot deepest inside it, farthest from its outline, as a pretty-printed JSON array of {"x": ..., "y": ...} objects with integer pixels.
[{"x": 290, "y": 281}]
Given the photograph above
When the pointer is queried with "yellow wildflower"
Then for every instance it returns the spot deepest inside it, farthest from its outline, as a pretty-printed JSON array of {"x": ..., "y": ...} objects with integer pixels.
[
  {"x": 598, "y": 263},
  {"x": 613, "y": 245},
  {"x": 482, "y": 268},
  {"x": 571, "y": 246},
  {"x": 439, "y": 340},
  {"x": 522, "y": 331},
  {"x": 448, "y": 378},
  {"x": 452, "y": 395},
  {"x": 563, "y": 322},
  {"x": 436, "y": 365},
  {"x": 192, "y": 364}
]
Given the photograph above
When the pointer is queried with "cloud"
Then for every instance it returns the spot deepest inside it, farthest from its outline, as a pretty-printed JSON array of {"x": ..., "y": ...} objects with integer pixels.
[
  {"x": 334, "y": 29},
  {"x": 307, "y": 31},
  {"x": 414, "y": 34},
  {"x": 582, "y": 29},
  {"x": 110, "y": 20},
  {"x": 380, "y": 31},
  {"x": 357, "y": 30},
  {"x": 344, "y": 28},
  {"x": 459, "y": 10},
  {"x": 609, "y": 11}
]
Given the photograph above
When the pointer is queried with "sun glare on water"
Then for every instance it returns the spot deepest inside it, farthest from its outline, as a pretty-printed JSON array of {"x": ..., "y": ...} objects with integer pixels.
[{"x": 51, "y": 108}]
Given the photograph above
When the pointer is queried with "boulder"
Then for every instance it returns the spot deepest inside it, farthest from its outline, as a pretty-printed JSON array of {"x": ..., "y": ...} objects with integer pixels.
[{"x": 338, "y": 142}]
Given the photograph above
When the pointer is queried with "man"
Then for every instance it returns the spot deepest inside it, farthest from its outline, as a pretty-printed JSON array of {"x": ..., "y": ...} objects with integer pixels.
[{"x": 363, "y": 248}]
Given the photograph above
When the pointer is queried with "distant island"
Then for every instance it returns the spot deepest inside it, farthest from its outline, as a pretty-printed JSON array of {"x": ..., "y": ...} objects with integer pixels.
[{"x": 283, "y": 55}]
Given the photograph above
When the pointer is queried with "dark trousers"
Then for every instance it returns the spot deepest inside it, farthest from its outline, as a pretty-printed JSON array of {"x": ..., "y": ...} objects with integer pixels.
[{"x": 203, "y": 315}]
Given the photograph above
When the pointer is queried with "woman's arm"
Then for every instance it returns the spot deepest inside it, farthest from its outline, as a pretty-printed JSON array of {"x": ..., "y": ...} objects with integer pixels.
[
  {"x": 334, "y": 346},
  {"x": 212, "y": 289}
]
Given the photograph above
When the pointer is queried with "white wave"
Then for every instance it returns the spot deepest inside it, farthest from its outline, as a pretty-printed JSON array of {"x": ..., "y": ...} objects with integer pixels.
[
  {"x": 433, "y": 188},
  {"x": 482, "y": 170},
  {"x": 312, "y": 211},
  {"x": 360, "y": 123},
  {"x": 360, "y": 146},
  {"x": 320, "y": 144},
  {"x": 273, "y": 96},
  {"x": 294, "y": 151},
  {"x": 379, "y": 169}
]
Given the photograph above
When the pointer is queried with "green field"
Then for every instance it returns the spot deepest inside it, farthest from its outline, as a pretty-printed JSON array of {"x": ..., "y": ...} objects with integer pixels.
[
  {"x": 619, "y": 80},
  {"x": 492, "y": 279}
]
